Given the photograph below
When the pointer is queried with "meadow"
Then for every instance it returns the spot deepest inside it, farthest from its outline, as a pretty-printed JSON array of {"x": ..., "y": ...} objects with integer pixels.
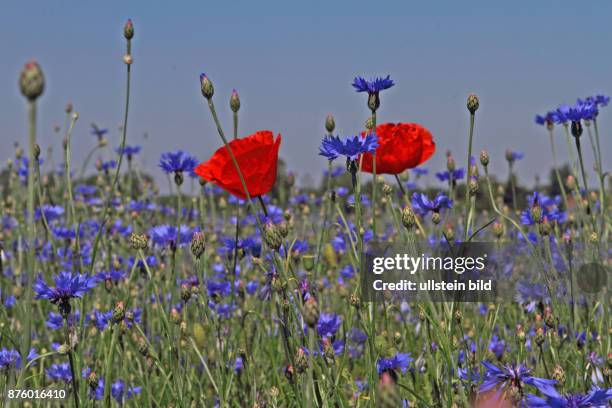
[{"x": 238, "y": 288}]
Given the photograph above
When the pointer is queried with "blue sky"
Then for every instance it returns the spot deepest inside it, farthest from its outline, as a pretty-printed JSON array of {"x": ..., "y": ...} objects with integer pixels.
[{"x": 293, "y": 63}]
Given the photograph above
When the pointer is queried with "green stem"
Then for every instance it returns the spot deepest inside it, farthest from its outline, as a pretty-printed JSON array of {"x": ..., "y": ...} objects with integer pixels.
[
  {"x": 469, "y": 172},
  {"x": 31, "y": 229}
]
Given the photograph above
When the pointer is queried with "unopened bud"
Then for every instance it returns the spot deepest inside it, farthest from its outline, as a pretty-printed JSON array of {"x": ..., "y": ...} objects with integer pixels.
[
  {"x": 484, "y": 158},
  {"x": 330, "y": 123},
  {"x": 207, "y": 87},
  {"x": 32, "y": 81},
  {"x": 473, "y": 103},
  {"x": 234, "y": 101},
  {"x": 128, "y": 30}
]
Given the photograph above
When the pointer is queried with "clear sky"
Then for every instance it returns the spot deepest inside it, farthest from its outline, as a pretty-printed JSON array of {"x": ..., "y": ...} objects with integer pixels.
[{"x": 293, "y": 62}]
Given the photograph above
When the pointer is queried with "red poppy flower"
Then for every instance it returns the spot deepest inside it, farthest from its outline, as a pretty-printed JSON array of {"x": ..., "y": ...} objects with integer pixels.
[
  {"x": 401, "y": 146},
  {"x": 257, "y": 156}
]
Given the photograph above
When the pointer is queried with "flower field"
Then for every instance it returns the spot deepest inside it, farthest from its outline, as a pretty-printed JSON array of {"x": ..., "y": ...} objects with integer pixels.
[{"x": 237, "y": 287}]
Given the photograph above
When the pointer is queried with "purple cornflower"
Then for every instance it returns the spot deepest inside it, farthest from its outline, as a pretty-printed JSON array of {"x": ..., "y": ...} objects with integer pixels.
[
  {"x": 128, "y": 150},
  {"x": 119, "y": 392},
  {"x": 9, "y": 358},
  {"x": 51, "y": 212},
  {"x": 545, "y": 119},
  {"x": 177, "y": 162},
  {"x": 373, "y": 85},
  {"x": 98, "y": 132},
  {"x": 595, "y": 398},
  {"x": 512, "y": 155},
  {"x": 164, "y": 235},
  {"x": 515, "y": 376},
  {"x": 108, "y": 165},
  {"x": 457, "y": 174},
  {"x": 67, "y": 286},
  {"x": 60, "y": 372},
  {"x": 328, "y": 324},
  {"x": 333, "y": 146},
  {"x": 400, "y": 361},
  {"x": 422, "y": 205}
]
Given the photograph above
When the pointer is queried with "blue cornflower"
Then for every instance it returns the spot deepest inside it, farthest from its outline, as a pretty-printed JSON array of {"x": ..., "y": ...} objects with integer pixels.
[
  {"x": 177, "y": 162},
  {"x": 119, "y": 392},
  {"x": 128, "y": 150},
  {"x": 328, "y": 324},
  {"x": 582, "y": 111},
  {"x": 60, "y": 372},
  {"x": 164, "y": 235},
  {"x": 333, "y": 146},
  {"x": 9, "y": 358},
  {"x": 420, "y": 171},
  {"x": 514, "y": 376},
  {"x": 67, "y": 286},
  {"x": 373, "y": 85},
  {"x": 513, "y": 156},
  {"x": 422, "y": 205},
  {"x": 457, "y": 174},
  {"x": 108, "y": 165},
  {"x": 51, "y": 212},
  {"x": 400, "y": 361},
  {"x": 547, "y": 118},
  {"x": 560, "y": 115},
  {"x": 549, "y": 208},
  {"x": 595, "y": 398},
  {"x": 218, "y": 288},
  {"x": 98, "y": 132}
]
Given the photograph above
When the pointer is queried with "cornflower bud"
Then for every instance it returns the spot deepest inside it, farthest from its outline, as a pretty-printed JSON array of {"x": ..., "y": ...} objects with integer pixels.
[
  {"x": 330, "y": 123},
  {"x": 473, "y": 103},
  {"x": 408, "y": 218},
  {"x": 484, "y": 158},
  {"x": 31, "y": 81},
  {"x": 119, "y": 312},
  {"x": 128, "y": 30},
  {"x": 234, "y": 101},
  {"x": 198, "y": 245},
  {"x": 311, "y": 312},
  {"x": 207, "y": 87}
]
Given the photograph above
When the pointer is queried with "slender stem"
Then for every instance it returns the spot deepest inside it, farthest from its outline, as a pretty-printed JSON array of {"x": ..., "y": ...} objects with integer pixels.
[
  {"x": 67, "y": 170},
  {"x": 75, "y": 389},
  {"x": 31, "y": 229},
  {"x": 105, "y": 212},
  {"x": 559, "y": 180},
  {"x": 469, "y": 172},
  {"x": 374, "y": 181}
]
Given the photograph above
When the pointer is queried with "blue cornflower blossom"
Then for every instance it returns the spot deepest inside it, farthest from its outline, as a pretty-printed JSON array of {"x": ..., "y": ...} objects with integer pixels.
[
  {"x": 512, "y": 155},
  {"x": 67, "y": 285},
  {"x": 560, "y": 114},
  {"x": 595, "y": 398},
  {"x": 333, "y": 146},
  {"x": 514, "y": 376},
  {"x": 422, "y": 205},
  {"x": 546, "y": 119},
  {"x": 400, "y": 361},
  {"x": 119, "y": 392},
  {"x": 177, "y": 162},
  {"x": 328, "y": 324},
  {"x": 164, "y": 235},
  {"x": 549, "y": 207},
  {"x": 457, "y": 174},
  {"x": 98, "y": 132},
  {"x": 373, "y": 85},
  {"x": 9, "y": 358},
  {"x": 59, "y": 372},
  {"x": 128, "y": 150},
  {"x": 420, "y": 171},
  {"x": 108, "y": 165},
  {"x": 51, "y": 212}
]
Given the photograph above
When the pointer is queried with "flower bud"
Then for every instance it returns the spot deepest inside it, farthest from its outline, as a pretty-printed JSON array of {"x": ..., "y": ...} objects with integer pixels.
[
  {"x": 539, "y": 337},
  {"x": 311, "y": 312},
  {"x": 570, "y": 182},
  {"x": 408, "y": 218},
  {"x": 559, "y": 375},
  {"x": 68, "y": 108},
  {"x": 234, "y": 101},
  {"x": 301, "y": 360},
  {"x": 330, "y": 123},
  {"x": 207, "y": 87},
  {"x": 355, "y": 301},
  {"x": 36, "y": 151},
  {"x": 387, "y": 189},
  {"x": 308, "y": 262},
  {"x": 272, "y": 236},
  {"x": 472, "y": 103},
  {"x": 498, "y": 230},
  {"x": 92, "y": 380},
  {"x": 119, "y": 312},
  {"x": 450, "y": 163},
  {"x": 536, "y": 213},
  {"x": 436, "y": 218},
  {"x": 197, "y": 244},
  {"x": 473, "y": 186},
  {"x": 128, "y": 30},
  {"x": 369, "y": 124},
  {"x": 138, "y": 241},
  {"x": 32, "y": 81},
  {"x": 63, "y": 349},
  {"x": 484, "y": 158}
]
